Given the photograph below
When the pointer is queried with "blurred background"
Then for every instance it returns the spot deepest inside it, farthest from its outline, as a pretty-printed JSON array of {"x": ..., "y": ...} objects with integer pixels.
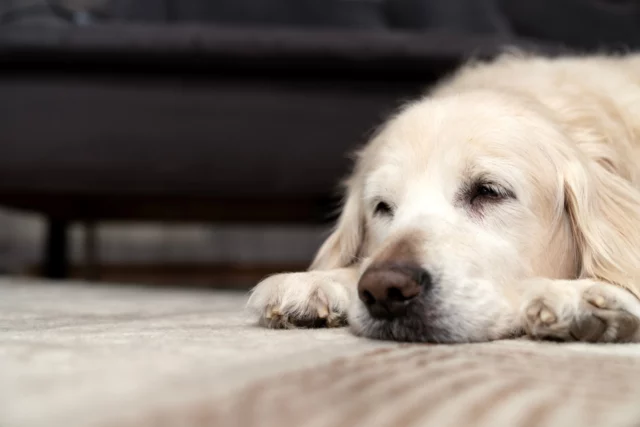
[{"x": 200, "y": 142}]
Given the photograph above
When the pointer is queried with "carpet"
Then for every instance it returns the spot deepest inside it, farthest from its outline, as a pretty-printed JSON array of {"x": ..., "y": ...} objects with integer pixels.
[{"x": 97, "y": 355}]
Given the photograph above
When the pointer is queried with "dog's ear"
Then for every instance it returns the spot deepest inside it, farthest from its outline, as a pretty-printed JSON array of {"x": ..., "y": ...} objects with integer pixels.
[
  {"x": 604, "y": 210},
  {"x": 345, "y": 245},
  {"x": 342, "y": 247}
]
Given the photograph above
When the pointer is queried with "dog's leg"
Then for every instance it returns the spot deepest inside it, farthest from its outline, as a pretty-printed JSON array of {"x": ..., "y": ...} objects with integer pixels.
[
  {"x": 580, "y": 310},
  {"x": 318, "y": 298}
]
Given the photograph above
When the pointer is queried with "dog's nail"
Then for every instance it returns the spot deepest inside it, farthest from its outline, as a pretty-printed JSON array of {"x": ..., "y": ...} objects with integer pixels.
[
  {"x": 268, "y": 312},
  {"x": 323, "y": 312},
  {"x": 322, "y": 297},
  {"x": 598, "y": 300},
  {"x": 547, "y": 316}
]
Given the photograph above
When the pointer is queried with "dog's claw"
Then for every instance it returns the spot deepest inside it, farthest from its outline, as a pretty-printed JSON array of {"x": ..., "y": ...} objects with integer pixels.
[
  {"x": 323, "y": 312},
  {"x": 547, "y": 316},
  {"x": 596, "y": 300}
]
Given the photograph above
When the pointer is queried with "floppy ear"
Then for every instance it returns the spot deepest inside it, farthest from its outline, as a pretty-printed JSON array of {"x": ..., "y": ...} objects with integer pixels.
[
  {"x": 604, "y": 210},
  {"x": 342, "y": 247}
]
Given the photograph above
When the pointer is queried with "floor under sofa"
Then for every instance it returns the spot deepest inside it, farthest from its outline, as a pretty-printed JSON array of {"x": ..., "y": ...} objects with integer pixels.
[{"x": 82, "y": 355}]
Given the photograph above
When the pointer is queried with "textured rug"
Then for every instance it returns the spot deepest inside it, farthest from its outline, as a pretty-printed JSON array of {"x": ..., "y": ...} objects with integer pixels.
[{"x": 95, "y": 355}]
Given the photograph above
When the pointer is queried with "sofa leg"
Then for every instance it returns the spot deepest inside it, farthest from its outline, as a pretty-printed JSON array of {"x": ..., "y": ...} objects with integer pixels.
[{"x": 56, "y": 263}]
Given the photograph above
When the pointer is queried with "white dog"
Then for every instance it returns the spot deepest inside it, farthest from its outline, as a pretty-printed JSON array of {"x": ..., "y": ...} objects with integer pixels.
[{"x": 504, "y": 203}]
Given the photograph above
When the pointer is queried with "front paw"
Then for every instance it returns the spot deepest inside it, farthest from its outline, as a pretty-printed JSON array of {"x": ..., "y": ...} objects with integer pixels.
[
  {"x": 300, "y": 300},
  {"x": 556, "y": 317},
  {"x": 598, "y": 312}
]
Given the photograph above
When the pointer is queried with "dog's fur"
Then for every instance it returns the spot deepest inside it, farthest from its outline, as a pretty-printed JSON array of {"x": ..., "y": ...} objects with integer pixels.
[{"x": 553, "y": 250}]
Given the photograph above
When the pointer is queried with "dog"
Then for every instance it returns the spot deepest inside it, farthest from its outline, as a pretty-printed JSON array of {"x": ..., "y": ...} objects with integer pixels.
[{"x": 504, "y": 203}]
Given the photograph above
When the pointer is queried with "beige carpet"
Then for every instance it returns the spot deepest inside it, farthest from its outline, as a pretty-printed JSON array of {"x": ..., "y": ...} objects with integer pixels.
[{"x": 93, "y": 355}]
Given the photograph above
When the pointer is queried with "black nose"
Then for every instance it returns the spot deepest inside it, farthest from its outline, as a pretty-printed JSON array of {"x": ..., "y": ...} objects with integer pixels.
[{"x": 387, "y": 290}]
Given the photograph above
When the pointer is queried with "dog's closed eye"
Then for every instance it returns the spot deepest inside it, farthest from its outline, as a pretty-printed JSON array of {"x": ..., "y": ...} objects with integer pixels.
[
  {"x": 383, "y": 209},
  {"x": 485, "y": 192}
]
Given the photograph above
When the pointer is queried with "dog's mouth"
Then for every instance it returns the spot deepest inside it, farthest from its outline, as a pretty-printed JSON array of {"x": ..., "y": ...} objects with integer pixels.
[
  {"x": 423, "y": 323},
  {"x": 417, "y": 323},
  {"x": 392, "y": 331},
  {"x": 410, "y": 330}
]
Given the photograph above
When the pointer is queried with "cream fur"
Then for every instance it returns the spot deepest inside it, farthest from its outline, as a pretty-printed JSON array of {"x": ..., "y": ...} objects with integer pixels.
[{"x": 559, "y": 260}]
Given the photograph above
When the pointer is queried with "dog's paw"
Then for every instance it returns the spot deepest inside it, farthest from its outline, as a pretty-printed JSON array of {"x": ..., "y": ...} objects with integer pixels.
[
  {"x": 300, "y": 300},
  {"x": 616, "y": 309},
  {"x": 596, "y": 313},
  {"x": 549, "y": 315}
]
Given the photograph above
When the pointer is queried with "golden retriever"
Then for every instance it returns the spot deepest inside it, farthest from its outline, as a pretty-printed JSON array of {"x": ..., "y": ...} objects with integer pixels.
[{"x": 504, "y": 203}]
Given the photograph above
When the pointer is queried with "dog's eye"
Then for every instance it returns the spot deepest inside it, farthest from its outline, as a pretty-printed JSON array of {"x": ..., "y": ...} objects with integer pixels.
[
  {"x": 383, "y": 209},
  {"x": 486, "y": 191},
  {"x": 482, "y": 192}
]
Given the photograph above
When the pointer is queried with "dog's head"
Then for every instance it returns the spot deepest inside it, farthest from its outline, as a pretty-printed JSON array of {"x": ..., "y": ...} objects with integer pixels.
[{"x": 458, "y": 199}]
